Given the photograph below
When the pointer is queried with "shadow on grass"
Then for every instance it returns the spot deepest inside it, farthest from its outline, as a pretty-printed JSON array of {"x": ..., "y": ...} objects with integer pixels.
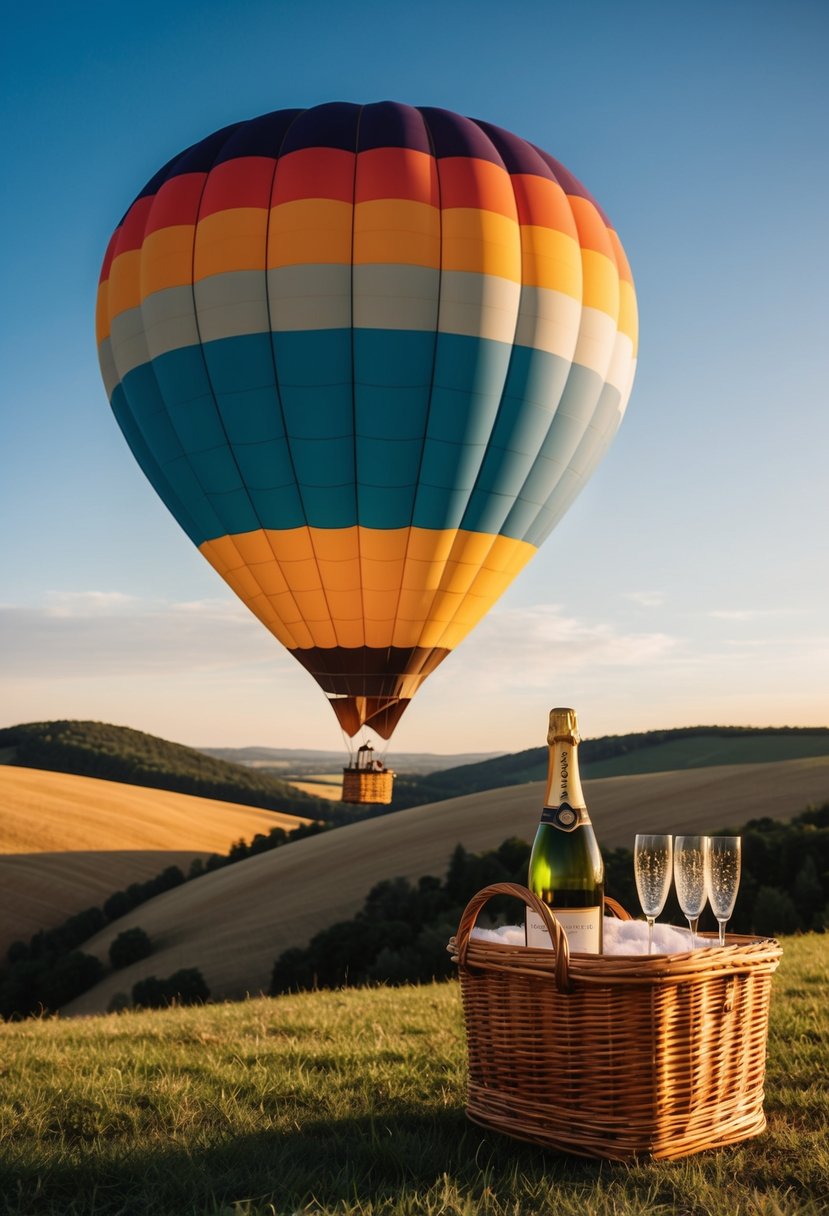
[{"x": 377, "y": 1160}]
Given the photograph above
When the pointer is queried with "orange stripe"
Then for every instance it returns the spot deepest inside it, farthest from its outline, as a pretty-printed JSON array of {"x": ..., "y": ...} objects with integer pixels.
[
  {"x": 396, "y": 231},
  {"x": 310, "y": 231},
  {"x": 450, "y": 578},
  {"x": 125, "y": 282},
  {"x": 390, "y": 231},
  {"x": 231, "y": 240},
  {"x": 167, "y": 259},
  {"x": 481, "y": 241}
]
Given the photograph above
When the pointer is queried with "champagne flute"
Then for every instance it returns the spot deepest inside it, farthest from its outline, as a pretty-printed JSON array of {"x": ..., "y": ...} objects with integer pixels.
[
  {"x": 691, "y": 877},
  {"x": 652, "y": 866},
  {"x": 723, "y": 878}
]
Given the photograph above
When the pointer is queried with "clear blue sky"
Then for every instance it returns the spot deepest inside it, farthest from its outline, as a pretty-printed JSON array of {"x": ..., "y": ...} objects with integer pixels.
[{"x": 689, "y": 583}]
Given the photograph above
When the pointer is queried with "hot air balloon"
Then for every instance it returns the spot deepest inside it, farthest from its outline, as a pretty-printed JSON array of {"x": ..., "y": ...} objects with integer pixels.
[{"x": 367, "y": 356}]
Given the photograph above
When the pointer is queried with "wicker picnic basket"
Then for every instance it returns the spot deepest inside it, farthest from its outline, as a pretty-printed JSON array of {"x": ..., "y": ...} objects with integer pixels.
[{"x": 614, "y": 1056}]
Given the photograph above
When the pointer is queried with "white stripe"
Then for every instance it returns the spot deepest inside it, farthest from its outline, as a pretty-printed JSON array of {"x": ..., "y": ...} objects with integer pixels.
[
  {"x": 168, "y": 320},
  {"x": 128, "y": 343},
  {"x": 396, "y": 297},
  {"x": 618, "y": 373},
  {"x": 310, "y": 297},
  {"x": 109, "y": 371},
  {"x": 548, "y": 320},
  {"x": 597, "y": 339},
  {"x": 479, "y": 305},
  {"x": 231, "y": 305}
]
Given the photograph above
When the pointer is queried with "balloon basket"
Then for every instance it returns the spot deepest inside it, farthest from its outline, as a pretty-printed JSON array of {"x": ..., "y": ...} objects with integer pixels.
[{"x": 363, "y": 787}]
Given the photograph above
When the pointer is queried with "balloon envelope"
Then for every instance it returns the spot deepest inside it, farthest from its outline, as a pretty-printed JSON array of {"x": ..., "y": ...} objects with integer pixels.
[{"x": 367, "y": 356}]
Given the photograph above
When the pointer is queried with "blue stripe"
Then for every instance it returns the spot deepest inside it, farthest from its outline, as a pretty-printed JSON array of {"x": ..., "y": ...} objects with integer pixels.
[{"x": 451, "y": 431}]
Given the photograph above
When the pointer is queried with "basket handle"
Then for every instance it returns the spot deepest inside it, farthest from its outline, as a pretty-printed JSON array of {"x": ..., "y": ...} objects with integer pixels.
[
  {"x": 557, "y": 934},
  {"x": 616, "y": 908}
]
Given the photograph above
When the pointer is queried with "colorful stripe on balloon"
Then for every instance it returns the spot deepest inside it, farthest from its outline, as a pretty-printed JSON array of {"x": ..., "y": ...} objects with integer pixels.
[{"x": 367, "y": 356}]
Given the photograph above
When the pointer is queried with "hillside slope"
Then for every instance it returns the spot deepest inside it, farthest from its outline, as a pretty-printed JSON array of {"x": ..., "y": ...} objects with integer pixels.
[
  {"x": 652, "y": 751},
  {"x": 118, "y": 753},
  {"x": 232, "y": 924},
  {"x": 69, "y": 842}
]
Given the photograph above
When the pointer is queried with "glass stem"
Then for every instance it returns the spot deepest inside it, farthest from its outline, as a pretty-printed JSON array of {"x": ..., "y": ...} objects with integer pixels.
[
  {"x": 693, "y": 925},
  {"x": 650, "y": 934},
  {"x": 722, "y": 924}
]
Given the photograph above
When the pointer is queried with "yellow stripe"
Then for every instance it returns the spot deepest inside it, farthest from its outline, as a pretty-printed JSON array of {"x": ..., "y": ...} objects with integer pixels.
[
  {"x": 482, "y": 242},
  {"x": 395, "y": 232},
  {"x": 551, "y": 259},
  {"x": 368, "y": 586},
  {"x": 629, "y": 313},
  {"x": 601, "y": 283}
]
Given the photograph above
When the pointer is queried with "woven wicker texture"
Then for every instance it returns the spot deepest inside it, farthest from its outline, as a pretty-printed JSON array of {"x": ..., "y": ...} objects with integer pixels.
[
  {"x": 363, "y": 786},
  {"x": 614, "y": 1056}
]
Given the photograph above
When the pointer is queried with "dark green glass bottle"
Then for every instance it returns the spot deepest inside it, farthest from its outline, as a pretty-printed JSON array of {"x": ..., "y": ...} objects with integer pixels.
[{"x": 566, "y": 867}]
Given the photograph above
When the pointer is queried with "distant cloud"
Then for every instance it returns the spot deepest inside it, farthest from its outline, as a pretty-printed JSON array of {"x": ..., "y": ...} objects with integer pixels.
[
  {"x": 646, "y": 599},
  {"x": 752, "y": 614},
  {"x": 85, "y": 603},
  {"x": 110, "y": 635},
  {"x": 522, "y": 646}
]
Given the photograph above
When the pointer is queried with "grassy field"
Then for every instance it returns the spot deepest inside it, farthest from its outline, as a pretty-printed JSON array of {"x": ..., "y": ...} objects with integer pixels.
[
  {"x": 711, "y": 751},
  {"x": 351, "y": 1103}
]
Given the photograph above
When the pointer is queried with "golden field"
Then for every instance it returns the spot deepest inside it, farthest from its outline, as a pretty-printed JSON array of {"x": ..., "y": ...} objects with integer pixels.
[
  {"x": 232, "y": 924},
  {"x": 69, "y": 842}
]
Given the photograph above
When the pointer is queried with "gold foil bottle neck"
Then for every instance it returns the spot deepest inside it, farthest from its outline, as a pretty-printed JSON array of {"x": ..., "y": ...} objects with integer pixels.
[{"x": 563, "y": 725}]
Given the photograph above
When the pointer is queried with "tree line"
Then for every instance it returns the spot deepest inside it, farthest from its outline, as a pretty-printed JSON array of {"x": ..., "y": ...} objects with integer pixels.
[
  {"x": 400, "y": 934},
  {"x": 117, "y": 753},
  {"x": 50, "y": 970}
]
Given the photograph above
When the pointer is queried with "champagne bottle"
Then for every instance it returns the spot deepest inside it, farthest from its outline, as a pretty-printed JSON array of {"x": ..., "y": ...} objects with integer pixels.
[{"x": 566, "y": 867}]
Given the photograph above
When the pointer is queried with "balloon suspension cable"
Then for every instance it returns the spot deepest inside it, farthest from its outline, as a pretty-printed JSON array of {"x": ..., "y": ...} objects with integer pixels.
[{"x": 365, "y": 736}]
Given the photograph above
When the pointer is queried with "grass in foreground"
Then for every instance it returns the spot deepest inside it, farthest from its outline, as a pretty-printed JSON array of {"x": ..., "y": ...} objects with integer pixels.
[{"x": 352, "y": 1103}]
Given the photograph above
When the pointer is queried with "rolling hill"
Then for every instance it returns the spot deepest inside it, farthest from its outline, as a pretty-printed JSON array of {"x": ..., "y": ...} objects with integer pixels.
[
  {"x": 117, "y": 753},
  {"x": 233, "y": 923},
  {"x": 653, "y": 751},
  {"x": 68, "y": 842}
]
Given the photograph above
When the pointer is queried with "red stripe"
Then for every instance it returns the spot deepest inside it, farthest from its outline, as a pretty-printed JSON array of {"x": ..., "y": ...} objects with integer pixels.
[
  {"x": 397, "y": 173},
  {"x": 133, "y": 225},
  {"x": 314, "y": 173},
  {"x": 244, "y": 182},
  {"x": 177, "y": 202},
  {"x": 110, "y": 254},
  {"x": 542, "y": 202},
  {"x": 468, "y": 181}
]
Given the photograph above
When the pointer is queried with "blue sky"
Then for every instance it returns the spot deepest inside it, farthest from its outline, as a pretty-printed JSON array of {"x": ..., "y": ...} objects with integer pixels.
[{"x": 689, "y": 583}]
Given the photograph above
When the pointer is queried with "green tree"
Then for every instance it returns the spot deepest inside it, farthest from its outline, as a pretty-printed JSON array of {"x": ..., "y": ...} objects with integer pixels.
[
  {"x": 129, "y": 947},
  {"x": 774, "y": 912}
]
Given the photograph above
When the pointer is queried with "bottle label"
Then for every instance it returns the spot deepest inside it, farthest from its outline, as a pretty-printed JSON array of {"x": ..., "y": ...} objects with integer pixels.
[
  {"x": 565, "y": 817},
  {"x": 582, "y": 926}
]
